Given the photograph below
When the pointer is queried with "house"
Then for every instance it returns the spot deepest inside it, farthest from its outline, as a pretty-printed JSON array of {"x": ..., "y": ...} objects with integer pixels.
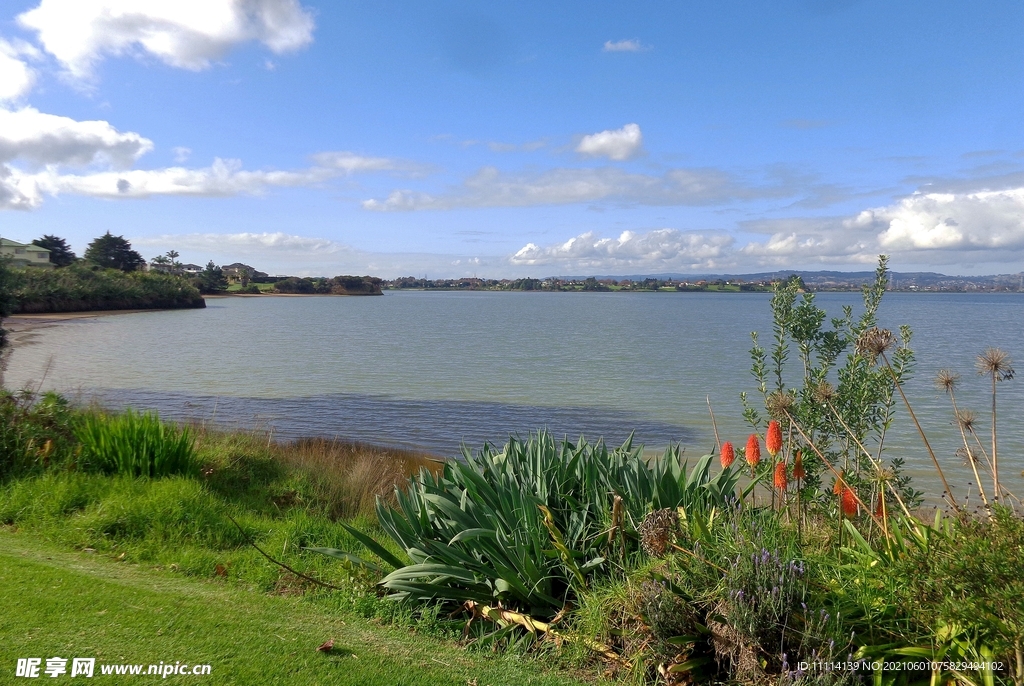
[{"x": 24, "y": 255}]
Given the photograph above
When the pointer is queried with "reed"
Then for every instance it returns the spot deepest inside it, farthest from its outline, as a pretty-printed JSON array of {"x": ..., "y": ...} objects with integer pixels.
[{"x": 135, "y": 444}]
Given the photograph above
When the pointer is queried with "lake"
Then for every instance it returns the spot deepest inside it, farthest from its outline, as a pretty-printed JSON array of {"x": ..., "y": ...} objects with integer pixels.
[{"x": 435, "y": 369}]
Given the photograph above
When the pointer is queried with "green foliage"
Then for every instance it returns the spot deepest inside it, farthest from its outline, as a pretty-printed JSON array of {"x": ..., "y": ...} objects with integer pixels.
[
  {"x": 135, "y": 444},
  {"x": 339, "y": 285},
  {"x": 211, "y": 279},
  {"x": 114, "y": 252},
  {"x": 529, "y": 525},
  {"x": 79, "y": 288},
  {"x": 840, "y": 407},
  {"x": 7, "y": 298},
  {"x": 60, "y": 252},
  {"x": 34, "y": 432}
]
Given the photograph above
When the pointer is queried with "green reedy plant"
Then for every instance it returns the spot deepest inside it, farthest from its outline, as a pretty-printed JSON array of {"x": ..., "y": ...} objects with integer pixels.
[
  {"x": 135, "y": 444},
  {"x": 529, "y": 525}
]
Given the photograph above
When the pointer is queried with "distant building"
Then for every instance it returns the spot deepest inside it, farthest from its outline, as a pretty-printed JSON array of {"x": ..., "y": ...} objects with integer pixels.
[
  {"x": 24, "y": 255},
  {"x": 190, "y": 269}
]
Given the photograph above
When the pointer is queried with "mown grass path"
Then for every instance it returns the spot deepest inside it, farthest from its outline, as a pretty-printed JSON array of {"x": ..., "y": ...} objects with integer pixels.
[{"x": 77, "y": 604}]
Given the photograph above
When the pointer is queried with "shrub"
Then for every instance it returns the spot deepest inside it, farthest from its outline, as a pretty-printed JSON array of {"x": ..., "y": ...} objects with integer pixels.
[
  {"x": 34, "y": 431},
  {"x": 529, "y": 525},
  {"x": 135, "y": 444}
]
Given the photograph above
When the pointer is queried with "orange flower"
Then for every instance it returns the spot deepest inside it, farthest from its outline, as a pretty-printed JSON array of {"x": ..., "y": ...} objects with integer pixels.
[
  {"x": 848, "y": 501},
  {"x": 773, "y": 438},
  {"x": 798, "y": 466},
  {"x": 728, "y": 455},
  {"x": 753, "y": 454},
  {"x": 839, "y": 485},
  {"x": 780, "y": 476}
]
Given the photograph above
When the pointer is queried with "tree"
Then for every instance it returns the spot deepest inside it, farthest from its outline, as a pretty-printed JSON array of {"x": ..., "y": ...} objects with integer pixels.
[
  {"x": 6, "y": 299},
  {"x": 114, "y": 252},
  {"x": 211, "y": 279},
  {"x": 60, "y": 252}
]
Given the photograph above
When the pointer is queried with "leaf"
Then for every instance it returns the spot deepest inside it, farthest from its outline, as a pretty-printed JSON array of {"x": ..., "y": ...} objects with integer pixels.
[
  {"x": 375, "y": 547},
  {"x": 347, "y": 557}
]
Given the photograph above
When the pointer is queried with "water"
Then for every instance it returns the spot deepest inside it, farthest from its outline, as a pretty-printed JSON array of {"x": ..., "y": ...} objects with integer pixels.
[{"x": 433, "y": 370}]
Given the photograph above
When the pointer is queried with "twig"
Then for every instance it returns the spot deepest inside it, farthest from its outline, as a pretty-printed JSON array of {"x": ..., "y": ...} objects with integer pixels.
[
  {"x": 280, "y": 564},
  {"x": 927, "y": 445},
  {"x": 833, "y": 469},
  {"x": 714, "y": 424}
]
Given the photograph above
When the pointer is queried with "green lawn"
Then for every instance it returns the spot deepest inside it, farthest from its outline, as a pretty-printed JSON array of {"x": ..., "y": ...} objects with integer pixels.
[{"x": 80, "y": 604}]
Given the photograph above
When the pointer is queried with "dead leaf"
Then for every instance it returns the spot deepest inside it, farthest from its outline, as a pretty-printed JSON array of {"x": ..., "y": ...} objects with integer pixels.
[{"x": 221, "y": 570}]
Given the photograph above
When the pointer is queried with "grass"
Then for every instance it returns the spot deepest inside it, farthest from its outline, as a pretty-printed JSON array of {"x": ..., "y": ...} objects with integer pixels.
[{"x": 77, "y": 604}]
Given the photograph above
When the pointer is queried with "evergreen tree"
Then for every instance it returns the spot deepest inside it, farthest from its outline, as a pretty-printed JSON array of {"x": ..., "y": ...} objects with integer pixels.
[
  {"x": 60, "y": 251},
  {"x": 114, "y": 252}
]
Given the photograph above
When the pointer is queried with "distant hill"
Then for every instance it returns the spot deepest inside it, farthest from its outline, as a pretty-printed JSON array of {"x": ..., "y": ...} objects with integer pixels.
[{"x": 826, "y": 279}]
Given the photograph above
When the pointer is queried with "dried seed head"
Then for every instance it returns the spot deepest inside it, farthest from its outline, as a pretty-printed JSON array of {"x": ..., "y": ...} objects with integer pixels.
[
  {"x": 874, "y": 342},
  {"x": 996, "y": 363},
  {"x": 779, "y": 404},
  {"x": 658, "y": 530},
  {"x": 823, "y": 392},
  {"x": 966, "y": 418},
  {"x": 947, "y": 380}
]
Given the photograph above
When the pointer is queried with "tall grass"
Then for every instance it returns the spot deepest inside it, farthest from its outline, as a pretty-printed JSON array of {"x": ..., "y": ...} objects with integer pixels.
[{"x": 135, "y": 444}]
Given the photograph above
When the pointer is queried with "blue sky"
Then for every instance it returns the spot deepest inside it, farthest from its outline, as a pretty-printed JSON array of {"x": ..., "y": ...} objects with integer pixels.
[{"x": 451, "y": 139}]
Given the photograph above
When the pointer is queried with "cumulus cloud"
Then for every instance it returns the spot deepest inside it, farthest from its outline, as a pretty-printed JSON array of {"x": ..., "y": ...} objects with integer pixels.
[
  {"x": 16, "y": 77},
  {"x": 624, "y": 45},
  {"x": 33, "y": 136},
  {"x": 46, "y": 146},
  {"x": 183, "y": 34},
  {"x": 620, "y": 144},
  {"x": 491, "y": 188},
  {"x": 654, "y": 250}
]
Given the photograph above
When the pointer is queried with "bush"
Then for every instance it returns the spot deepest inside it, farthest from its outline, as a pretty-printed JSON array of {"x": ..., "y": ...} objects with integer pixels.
[
  {"x": 529, "y": 525},
  {"x": 135, "y": 445},
  {"x": 79, "y": 288},
  {"x": 34, "y": 432}
]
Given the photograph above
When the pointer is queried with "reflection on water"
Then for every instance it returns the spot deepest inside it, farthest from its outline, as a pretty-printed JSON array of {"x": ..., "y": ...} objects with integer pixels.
[
  {"x": 434, "y": 369},
  {"x": 439, "y": 426}
]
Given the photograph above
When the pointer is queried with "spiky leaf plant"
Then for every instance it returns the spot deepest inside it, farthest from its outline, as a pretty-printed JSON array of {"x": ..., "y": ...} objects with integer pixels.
[{"x": 529, "y": 525}]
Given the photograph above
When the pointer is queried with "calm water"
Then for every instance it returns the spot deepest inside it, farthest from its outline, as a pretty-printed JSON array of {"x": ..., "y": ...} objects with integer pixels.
[{"x": 435, "y": 369}]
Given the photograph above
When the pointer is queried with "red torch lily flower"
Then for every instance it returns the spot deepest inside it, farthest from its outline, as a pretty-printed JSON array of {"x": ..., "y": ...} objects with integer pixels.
[
  {"x": 798, "y": 466},
  {"x": 780, "y": 476},
  {"x": 753, "y": 453},
  {"x": 848, "y": 502},
  {"x": 728, "y": 455},
  {"x": 773, "y": 438}
]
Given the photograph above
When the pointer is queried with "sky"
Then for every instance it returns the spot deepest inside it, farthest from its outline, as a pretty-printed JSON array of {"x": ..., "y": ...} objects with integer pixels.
[{"x": 451, "y": 139}]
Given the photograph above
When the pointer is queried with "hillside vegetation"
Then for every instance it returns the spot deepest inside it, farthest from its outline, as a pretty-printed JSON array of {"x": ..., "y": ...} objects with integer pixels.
[{"x": 82, "y": 287}]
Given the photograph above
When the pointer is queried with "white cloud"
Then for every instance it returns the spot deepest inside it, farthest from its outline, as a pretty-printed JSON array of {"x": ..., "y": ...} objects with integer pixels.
[
  {"x": 246, "y": 243},
  {"x": 181, "y": 154},
  {"x": 33, "y": 136},
  {"x": 351, "y": 163},
  {"x": 620, "y": 144},
  {"x": 49, "y": 144},
  {"x": 992, "y": 220},
  {"x": 16, "y": 77},
  {"x": 181, "y": 33},
  {"x": 625, "y": 45},
  {"x": 491, "y": 188},
  {"x": 655, "y": 250}
]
